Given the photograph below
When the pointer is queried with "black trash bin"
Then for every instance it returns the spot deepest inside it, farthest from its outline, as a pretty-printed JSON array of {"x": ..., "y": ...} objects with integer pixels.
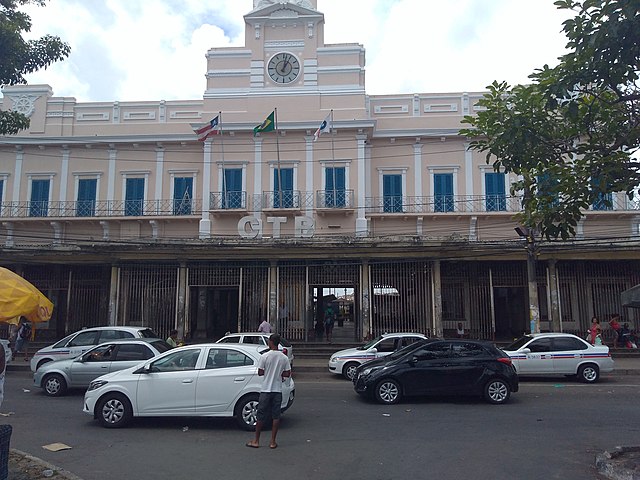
[{"x": 5, "y": 440}]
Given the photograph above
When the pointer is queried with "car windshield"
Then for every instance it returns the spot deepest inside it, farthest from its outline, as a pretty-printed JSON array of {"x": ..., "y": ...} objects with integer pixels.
[
  {"x": 370, "y": 344},
  {"x": 408, "y": 349},
  {"x": 64, "y": 341},
  {"x": 161, "y": 346},
  {"x": 518, "y": 343},
  {"x": 148, "y": 333}
]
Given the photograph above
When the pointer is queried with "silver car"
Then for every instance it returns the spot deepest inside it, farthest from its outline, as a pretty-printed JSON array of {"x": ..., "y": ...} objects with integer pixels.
[{"x": 56, "y": 377}]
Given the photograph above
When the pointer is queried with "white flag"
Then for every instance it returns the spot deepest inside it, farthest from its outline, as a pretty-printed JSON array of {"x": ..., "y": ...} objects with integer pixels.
[{"x": 325, "y": 126}]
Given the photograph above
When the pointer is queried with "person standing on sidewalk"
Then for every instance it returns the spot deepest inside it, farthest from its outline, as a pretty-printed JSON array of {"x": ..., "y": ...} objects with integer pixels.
[
  {"x": 3, "y": 366},
  {"x": 274, "y": 366},
  {"x": 265, "y": 327}
]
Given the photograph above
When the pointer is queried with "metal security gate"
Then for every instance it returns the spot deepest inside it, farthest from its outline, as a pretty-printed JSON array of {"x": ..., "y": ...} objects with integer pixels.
[
  {"x": 401, "y": 297},
  {"x": 88, "y": 297},
  {"x": 147, "y": 297},
  {"x": 466, "y": 299},
  {"x": 226, "y": 297},
  {"x": 592, "y": 288}
]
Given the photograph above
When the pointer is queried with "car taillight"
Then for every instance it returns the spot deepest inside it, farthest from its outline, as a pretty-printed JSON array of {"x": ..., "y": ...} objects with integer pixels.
[
  {"x": 505, "y": 360},
  {"x": 285, "y": 351}
]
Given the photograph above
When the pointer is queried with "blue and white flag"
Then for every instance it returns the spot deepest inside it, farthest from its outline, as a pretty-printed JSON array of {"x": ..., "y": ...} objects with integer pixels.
[{"x": 325, "y": 126}]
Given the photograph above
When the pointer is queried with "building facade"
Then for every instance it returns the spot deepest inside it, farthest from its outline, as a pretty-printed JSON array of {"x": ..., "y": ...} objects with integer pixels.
[{"x": 120, "y": 215}]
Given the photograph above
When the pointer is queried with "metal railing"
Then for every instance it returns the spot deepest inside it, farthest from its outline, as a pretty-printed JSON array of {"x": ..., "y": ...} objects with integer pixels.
[
  {"x": 292, "y": 199},
  {"x": 103, "y": 208},
  {"x": 288, "y": 199},
  {"x": 228, "y": 201},
  {"x": 334, "y": 199}
]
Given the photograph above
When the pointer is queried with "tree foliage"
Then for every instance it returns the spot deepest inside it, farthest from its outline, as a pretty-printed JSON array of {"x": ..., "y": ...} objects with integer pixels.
[
  {"x": 572, "y": 134},
  {"x": 19, "y": 57}
]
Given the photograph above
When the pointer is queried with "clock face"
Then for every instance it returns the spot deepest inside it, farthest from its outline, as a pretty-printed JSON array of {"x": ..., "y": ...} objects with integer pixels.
[{"x": 283, "y": 68}]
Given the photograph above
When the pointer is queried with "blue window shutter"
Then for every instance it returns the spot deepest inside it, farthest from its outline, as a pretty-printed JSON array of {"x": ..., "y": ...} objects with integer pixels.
[
  {"x": 392, "y": 193},
  {"x": 86, "y": 205},
  {"x": 1, "y": 189},
  {"x": 443, "y": 192},
  {"x": 134, "y": 196},
  {"x": 334, "y": 194},
  {"x": 495, "y": 192},
  {"x": 232, "y": 188},
  {"x": 182, "y": 195},
  {"x": 39, "y": 206},
  {"x": 286, "y": 182}
]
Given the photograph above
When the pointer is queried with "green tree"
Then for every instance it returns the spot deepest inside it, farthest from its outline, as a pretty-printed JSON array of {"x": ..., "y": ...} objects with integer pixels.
[
  {"x": 573, "y": 133},
  {"x": 19, "y": 57}
]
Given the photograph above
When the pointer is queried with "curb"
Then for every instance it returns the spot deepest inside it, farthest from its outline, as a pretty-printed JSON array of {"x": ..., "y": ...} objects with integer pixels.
[
  {"x": 623, "y": 463},
  {"x": 29, "y": 462}
]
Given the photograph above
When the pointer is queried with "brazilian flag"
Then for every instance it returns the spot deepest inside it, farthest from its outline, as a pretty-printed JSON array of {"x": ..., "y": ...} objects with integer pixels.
[{"x": 269, "y": 124}]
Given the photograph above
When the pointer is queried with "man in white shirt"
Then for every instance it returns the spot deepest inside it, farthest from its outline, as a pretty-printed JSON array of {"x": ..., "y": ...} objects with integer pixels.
[{"x": 274, "y": 366}]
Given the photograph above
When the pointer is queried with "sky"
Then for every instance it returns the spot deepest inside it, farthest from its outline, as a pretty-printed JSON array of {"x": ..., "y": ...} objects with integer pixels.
[{"x": 128, "y": 50}]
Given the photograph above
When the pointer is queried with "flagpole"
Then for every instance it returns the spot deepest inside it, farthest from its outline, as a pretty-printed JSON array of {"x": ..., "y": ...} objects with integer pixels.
[
  {"x": 275, "y": 117},
  {"x": 333, "y": 160},
  {"x": 224, "y": 173}
]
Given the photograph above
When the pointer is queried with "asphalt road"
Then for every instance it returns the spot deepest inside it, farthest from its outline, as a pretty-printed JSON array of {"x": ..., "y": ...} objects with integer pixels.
[{"x": 550, "y": 429}]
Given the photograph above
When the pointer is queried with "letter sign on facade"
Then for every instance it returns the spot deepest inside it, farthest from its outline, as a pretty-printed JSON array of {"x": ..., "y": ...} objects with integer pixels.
[{"x": 250, "y": 227}]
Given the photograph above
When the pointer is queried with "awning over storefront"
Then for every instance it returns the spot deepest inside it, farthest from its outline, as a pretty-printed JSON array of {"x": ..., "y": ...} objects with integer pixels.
[{"x": 631, "y": 297}]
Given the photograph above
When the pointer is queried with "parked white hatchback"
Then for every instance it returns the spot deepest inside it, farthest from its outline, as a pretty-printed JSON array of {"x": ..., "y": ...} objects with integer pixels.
[
  {"x": 204, "y": 380},
  {"x": 551, "y": 354},
  {"x": 79, "y": 342},
  {"x": 345, "y": 362}
]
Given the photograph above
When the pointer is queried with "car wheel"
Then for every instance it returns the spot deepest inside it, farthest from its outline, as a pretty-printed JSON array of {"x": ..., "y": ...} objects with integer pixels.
[
  {"x": 54, "y": 385},
  {"x": 42, "y": 362},
  {"x": 246, "y": 412},
  {"x": 388, "y": 391},
  {"x": 497, "y": 391},
  {"x": 349, "y": 370},
  {"x": 114, "y": 410},
  {"x": 589, "y": 373}
]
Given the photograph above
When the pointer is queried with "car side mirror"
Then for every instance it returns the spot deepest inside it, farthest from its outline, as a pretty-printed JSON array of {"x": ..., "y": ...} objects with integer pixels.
[
  {"x": 146, "y": 368},
  {"x": 413, "y": 360},
  {"x": 525, "y": 350},
  {"x": 373, "y": 350}
]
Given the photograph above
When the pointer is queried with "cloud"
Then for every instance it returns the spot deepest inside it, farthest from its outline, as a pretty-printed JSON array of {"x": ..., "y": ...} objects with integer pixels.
[{"x": 153, "y": 50}]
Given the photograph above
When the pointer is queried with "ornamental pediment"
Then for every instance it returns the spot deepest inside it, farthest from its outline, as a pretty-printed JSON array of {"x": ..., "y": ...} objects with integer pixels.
[{"x": 275, "y": 9}]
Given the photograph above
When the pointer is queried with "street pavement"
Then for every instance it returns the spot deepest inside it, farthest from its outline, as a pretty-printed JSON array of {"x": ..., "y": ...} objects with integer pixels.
[{"x": 551, "y": 429}]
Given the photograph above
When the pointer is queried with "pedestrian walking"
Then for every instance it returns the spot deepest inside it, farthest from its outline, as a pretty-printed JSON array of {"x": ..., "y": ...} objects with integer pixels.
[
  {"x": 23, "y": 336},
  {"x": 274, "y": 366},
  {"x": 614, "y": 323}
]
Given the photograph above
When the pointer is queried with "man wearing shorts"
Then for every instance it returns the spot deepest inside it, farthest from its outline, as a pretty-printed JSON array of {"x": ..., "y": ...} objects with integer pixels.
[{"x": 274, "y": 366}]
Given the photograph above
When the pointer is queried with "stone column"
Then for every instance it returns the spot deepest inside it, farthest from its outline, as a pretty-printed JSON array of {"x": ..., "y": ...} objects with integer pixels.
[
  {"x": 437, "y": 301},
  {"x": 182, "y": 301},
  {"x": 361, "y": 220},
  {"x": 113, "y": 296},
  {"x": 365, "y": 300},
  {"x": 554, "y": 296},
  {"x": 205, "y": 222}
]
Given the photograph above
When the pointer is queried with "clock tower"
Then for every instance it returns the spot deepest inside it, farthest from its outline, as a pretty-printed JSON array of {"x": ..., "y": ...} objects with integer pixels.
[{"x": 285, "y": 60}]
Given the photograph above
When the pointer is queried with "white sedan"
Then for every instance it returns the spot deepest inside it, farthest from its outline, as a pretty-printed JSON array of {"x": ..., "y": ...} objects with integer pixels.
[
  {"x": 345, "y": 362},
  {"x": 551, "y": 354},
  {"x": 204, "y": 380}
]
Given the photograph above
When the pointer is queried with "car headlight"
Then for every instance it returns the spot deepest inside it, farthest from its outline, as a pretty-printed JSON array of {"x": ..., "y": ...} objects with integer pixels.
[
  {"x": 369, "y": 371},
  {"x": 333, "y": 360},
  {"x": 96, "y": 384}
]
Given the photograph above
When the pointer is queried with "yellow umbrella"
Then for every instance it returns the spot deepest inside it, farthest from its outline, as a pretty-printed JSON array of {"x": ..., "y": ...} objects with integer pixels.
[{"x": 19, "y": 298}]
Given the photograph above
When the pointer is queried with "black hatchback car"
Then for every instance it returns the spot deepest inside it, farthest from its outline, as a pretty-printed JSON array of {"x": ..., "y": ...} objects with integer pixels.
[{"x": 439, "y": 367}]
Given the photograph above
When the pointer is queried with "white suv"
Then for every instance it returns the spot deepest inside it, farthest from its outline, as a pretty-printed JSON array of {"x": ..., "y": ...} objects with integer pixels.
[{"x": 79, "y": 342}]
